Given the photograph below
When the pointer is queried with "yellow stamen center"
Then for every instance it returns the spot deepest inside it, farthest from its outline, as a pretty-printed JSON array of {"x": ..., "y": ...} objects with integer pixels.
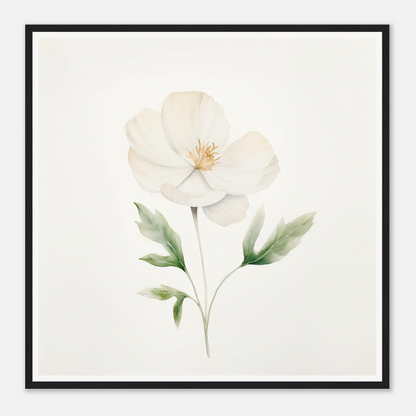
[{"x": 203, "y": 156}]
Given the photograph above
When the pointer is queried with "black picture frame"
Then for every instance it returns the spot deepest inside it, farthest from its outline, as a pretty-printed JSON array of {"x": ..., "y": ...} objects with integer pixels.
[{"x": 383, "y": 384}]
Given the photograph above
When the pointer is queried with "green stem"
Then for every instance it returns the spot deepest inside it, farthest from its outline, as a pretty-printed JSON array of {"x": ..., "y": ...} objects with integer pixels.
[
  {"x": 202, "y": 312},
  {"x": 206, "y": 340},
  {"x": 193, "y": 286},
  {"x": 215, "y": 294},
  {"x": 194, "y": 211}
]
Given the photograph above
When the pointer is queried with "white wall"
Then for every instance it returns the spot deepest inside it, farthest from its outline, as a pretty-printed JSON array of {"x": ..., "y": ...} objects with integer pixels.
[{"x": 20, "y": 402}]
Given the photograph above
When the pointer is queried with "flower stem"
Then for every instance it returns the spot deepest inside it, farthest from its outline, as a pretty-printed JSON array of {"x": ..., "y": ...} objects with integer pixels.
[
  {"x": 215, "y": 294},
  {"x": 202, "y": 312},
  {"x": 206, "y": 340},
  {"x": 194, "y": 211},
  {"x": 193, "y": 286}
]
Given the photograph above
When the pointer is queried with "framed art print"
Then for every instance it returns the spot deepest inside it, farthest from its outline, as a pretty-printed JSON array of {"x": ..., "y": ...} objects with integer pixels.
[{"x": 207, "y": 206}]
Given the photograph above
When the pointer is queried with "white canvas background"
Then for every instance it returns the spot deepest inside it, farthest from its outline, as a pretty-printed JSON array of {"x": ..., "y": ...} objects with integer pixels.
[{"x": 312, "y": 314}]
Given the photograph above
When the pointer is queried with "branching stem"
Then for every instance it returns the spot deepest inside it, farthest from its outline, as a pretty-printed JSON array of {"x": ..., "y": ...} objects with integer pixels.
[
  {"x": 194, "y": 211},
  {"x": 198, "y": 302},
  {"x": 206, "y": 315},
  {"x": 215, "y": 294}
]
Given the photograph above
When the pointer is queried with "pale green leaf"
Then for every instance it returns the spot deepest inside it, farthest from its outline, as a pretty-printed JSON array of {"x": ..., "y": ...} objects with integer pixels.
[
  {"x": 156, "y": 228},
  {"x": 160, "y": 261},
  {"x": 283, "y": 239},
  {"x": 177, "y": 311},
  {"x": 165, "y": 293},
  {"x": 253, "y": 233}
]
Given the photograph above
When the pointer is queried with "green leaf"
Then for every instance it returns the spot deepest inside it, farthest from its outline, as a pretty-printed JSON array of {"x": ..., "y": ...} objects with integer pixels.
[
  {"x": 177, "y": 311},
  {"x": 283, "y": 239},
  {"x": 160, "y": 261},
  {"x": 165, "y": 293},
  {"x": 156, "y": 228},
  {"x": 253, "y": 233}
]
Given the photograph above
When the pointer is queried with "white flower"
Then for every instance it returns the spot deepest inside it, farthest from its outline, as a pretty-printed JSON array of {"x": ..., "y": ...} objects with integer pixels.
[{"x": 181, "y": 154}]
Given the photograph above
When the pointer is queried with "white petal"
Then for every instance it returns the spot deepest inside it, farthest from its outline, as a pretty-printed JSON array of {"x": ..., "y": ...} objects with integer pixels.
[
  {"x": 242, "y": 165},
  {"x": 194, "y": 192},
  {"x": 269, "y": 176},
  {"x": 229, "y": 210},
  {"x": 189, "y": 116},
  {"x": 147, "y": 138},
  {"x": 151, "y": 176}
]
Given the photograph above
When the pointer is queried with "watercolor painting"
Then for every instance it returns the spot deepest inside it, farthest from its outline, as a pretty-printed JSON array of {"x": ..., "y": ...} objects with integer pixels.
[
  {"x": 207, "y": 206},
  {"x": 182, "y": 153}
]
